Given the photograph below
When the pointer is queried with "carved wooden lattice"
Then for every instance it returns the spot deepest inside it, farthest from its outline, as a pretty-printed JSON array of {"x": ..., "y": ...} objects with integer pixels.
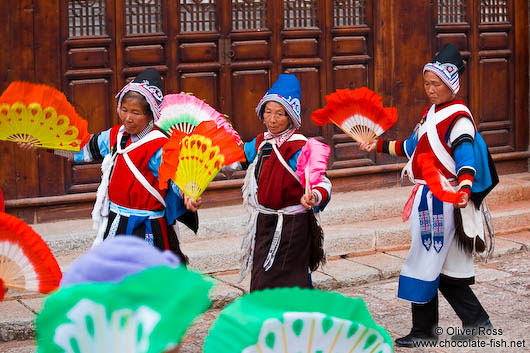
[
  {"x": 86, "y": 18},
  {"x": 299, "y": 13},
  {"x": 493, "y": 11},
  {"x": 348, "y": 13},
  {"x": 143, "y": 16},
  {"x": 451, "y": 11},
  {"x": 249, "y": 14},
  {"x": 197, "y": 15}
]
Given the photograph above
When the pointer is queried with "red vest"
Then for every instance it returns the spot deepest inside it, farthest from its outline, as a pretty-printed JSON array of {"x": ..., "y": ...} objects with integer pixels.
[
  {"x": 277, "y": 188},
  {"x": 124, "y": 189},
  {"x": 443, "y": 128}
]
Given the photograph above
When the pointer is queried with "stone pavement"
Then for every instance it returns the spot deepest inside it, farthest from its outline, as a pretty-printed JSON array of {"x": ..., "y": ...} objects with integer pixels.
[
  {"x": 366, "y": 242},
  {"x": 503, "y": 287}
]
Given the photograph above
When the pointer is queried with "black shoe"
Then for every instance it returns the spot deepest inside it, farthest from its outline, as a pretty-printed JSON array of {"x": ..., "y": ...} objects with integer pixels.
[
  {"x": 470, "y": 332},
  {"x": 410, "y": 339}
]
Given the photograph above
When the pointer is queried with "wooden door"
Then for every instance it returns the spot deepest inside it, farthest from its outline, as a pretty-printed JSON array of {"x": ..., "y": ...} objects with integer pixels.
[{"x": 229, "y": 52}]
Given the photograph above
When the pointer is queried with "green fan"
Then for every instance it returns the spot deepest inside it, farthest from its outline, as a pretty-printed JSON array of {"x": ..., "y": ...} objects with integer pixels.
[
  {"x": 293, "y": 320},
  {"x": 148, "y": 312}
]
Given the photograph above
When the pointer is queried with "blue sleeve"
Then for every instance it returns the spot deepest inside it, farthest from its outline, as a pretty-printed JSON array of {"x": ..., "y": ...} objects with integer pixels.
[
  {"x": 411, "y": 143},
  {"x": 293, "y": 161},
  {"x": 174, "y": 203},
  {"x": 102, "y": 143},
  {"x": 464, "y": 156},
  {"x": 250, "y": 150},
  {"x": 154, "y": 162}
]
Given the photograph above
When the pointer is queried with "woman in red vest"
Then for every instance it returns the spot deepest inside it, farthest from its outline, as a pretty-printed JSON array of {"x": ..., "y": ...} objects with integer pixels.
[
  {"x": 129, "y": 200},
  {"x": 437, "y": 259}
]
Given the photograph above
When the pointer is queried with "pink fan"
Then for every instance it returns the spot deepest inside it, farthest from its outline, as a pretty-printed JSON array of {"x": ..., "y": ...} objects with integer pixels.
[
  {"x": 185, "y": 112},
  {"x": 312, "y": 163}
]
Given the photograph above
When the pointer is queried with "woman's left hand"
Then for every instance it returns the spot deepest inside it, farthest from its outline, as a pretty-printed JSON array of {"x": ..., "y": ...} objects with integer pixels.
[
  {"x": 464, "y": 199},
  {"x": 308, "y": 201},
  {"x": 191, "y": 204}
]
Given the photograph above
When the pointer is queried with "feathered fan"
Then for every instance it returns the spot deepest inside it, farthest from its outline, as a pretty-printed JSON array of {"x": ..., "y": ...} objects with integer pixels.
[
  {"x": 40, "y": 115},
  {"x": 184, "y": 112},
  {"x": 133, "y": 315},
  {"x": 312, "y": 163},
  {"x": 359, "y": 113},
  {"x": 192, "y": 161},
  {"x": 292, "y": 320},
  {"x": 26, "y": 262},
  {"x": 437, "y": 183}
]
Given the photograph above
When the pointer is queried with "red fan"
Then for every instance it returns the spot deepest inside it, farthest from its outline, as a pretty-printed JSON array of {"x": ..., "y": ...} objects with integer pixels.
[
  {"x": 26, "y": 262},
  {"x": 192, "y": 161},
  {"x": 437, "y": 183},
  {"x": 359, "y": 113},
  {"x": 41, "y": 115}
]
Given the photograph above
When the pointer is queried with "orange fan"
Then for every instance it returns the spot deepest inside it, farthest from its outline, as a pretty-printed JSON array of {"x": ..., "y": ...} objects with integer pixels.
[
  {"x": 41, "y": 115},
  {"x": 436, "y": 181},
  {"x": 26, "y": 262},
  {"x": 359, "y": 113},
  {"x": 192, "y": 161}
]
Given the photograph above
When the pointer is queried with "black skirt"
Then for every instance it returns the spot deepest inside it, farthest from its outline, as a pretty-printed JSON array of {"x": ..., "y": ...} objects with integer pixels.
[
  {"x": 164, "y": 237},
  {"x": 291, "y": 263}
]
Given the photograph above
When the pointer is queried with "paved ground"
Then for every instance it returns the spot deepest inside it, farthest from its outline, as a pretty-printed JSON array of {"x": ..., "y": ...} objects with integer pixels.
[{"x": 503, "y": 287}]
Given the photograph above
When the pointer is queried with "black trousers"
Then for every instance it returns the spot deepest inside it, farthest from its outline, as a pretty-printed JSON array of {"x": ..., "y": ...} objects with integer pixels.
[{"x": 461, "y": 298}]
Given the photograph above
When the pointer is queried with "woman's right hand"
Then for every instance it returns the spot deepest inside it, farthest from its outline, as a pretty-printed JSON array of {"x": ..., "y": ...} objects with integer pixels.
[
  {"x": 27, "y": 146},
  {"x": 191, "y": 204},
  {"x": 367, "y": 147}
]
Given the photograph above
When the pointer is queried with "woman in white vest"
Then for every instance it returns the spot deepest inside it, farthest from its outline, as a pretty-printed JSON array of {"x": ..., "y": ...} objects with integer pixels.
[{"x": 437, "y": 259}]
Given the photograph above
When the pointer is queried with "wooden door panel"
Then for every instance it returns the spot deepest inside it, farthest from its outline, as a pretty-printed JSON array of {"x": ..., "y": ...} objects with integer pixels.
[
  {"x": 204, "y": 85},
  {"x": 350, "y": 76},
  {"x": 84, "y": 93},
  {"x": 497, "y": 140},
  {"x": 299, "y": 48},
  {"x": 495, "y": 90},
  {"x": 138, "y": 55},
  {"x": 349, "y": 45},
  {"x": 247, "y": 88},
  {"x": 83, "y": 58},
  {"x": 89, "y": 77},
  {"x": 91, "y": 100},
  {"x": 250, "y": 50},
  {"x": 309, "y": 78},
  {"x": 492, "y": 41},
  {"x": 496, "y": 86},
  {"x": 198, "y": 52}
]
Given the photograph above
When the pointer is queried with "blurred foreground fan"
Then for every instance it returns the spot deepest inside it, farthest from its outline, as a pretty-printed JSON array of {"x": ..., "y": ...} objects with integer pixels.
[
  {"x": 292, "y": 320},
  {"x": 26, "y": 262}
]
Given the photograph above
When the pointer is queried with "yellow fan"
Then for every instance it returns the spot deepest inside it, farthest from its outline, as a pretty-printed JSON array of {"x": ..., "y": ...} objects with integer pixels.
[
  {"x": 199, "y": 163},
  {"x": 192, "y": 161},
  {"x": 41, "y": 115}
]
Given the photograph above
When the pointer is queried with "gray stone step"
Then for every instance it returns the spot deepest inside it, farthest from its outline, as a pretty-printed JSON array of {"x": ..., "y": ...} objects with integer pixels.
[
  {"x": 221, "y": 252},
  {"x": 346, "y": 211}
]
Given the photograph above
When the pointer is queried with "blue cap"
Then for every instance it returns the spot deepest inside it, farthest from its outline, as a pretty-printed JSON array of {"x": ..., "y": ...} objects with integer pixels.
[{"x": 287, "y": 92}]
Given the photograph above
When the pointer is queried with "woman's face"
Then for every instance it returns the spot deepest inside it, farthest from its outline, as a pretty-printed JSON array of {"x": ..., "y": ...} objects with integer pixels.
[
  {"x": 275, "y": 118},
  {"x": 435, "y": 89},
  {"x": 133, "y": 117}
]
